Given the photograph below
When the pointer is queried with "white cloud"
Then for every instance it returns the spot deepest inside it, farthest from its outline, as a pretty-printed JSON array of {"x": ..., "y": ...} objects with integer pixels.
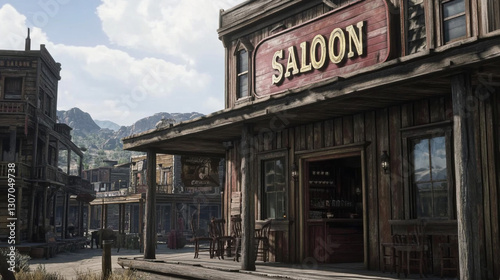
[
  {"x": 13, "y": 30},
  {"x": 183, "y": 28},
  {"x": 114, "y": 85}
]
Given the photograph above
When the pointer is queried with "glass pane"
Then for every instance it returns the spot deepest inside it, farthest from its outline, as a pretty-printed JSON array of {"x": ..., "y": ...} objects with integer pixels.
[
  {"x": 493, "y": 15},
  {"x": 424, "y": 200},
  {"x": 242, "y": 61},
  {"x": 269, "y": 176},
  {"x": 454, "y": 28},
  {"x": 421, "y": 160},
  {"x": 438, "y": 158},
  {"x": 440, "y": 199},
  {"x": 271, "y": 205},
  {"x": 280, "y": 204},
  {"x": 243, "y": 85},
  {"x": 453, "y": 8}
]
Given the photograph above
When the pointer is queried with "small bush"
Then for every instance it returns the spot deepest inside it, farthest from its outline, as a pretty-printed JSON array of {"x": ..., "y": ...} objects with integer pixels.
[
  {"x": 22, "y": 261},
  {"x": 38, "y": 274}
]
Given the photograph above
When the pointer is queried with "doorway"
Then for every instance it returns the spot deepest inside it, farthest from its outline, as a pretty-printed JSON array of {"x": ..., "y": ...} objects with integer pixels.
[{"x": 334, "y": 208}]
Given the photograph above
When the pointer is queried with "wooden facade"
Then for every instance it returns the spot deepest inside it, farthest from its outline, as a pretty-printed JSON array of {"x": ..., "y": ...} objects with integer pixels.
[{"x": 307, "y": 153}]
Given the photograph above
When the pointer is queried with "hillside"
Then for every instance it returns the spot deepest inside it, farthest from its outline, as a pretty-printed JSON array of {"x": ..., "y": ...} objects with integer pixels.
[{"x": 104, "y": 143}]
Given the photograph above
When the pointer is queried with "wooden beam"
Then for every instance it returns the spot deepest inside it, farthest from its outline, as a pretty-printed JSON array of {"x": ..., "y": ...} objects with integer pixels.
[
  {"x": 468, "y": 190},
  {"x": 150, "y": 233},
  {"x": 248, "y": 213}
]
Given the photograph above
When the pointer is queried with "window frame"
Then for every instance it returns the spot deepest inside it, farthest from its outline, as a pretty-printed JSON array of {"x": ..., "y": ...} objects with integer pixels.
[
  {"x": 242, "y": 44},
  {"x": 440, "y": 21},
  {"x": 427, "y": 132},
  {"x": 261, "y": 159},
  {"x": 4, "y": 86}
]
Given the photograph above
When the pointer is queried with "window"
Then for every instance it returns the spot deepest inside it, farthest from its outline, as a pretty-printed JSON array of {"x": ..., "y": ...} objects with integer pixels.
[
  {"x": 454, "y": 20},
  {"x": 274, "y": 182},
  {"x": 430, "y": 179},
  {"x": 242, "y": 72},
  {"x": 430, "y": 173},
  {"x": 493, "y": 15},
  {"x": 13, "y": 88}
]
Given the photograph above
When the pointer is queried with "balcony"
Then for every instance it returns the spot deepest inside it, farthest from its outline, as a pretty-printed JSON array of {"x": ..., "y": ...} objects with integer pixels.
[
  {"x": 22, "y": 170},
  {"x": 16, "y": 108},
  {"x": 51, "y": 174},
  {"x": 63, "y": 129}
]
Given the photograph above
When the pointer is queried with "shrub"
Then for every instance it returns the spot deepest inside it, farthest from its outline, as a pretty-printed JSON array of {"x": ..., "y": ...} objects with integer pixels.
[{"x": 20, "y": 259}]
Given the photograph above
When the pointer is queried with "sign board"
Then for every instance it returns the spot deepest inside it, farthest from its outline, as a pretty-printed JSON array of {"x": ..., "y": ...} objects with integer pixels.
[{"x": 344, "y": 40}]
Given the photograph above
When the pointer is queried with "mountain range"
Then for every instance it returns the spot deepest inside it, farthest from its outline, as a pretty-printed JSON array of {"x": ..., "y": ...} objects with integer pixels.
[{"x": 101, "y": 140}]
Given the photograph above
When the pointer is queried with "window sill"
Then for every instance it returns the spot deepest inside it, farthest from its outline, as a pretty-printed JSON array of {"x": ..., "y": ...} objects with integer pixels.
[{"x": 243, "y": 101}]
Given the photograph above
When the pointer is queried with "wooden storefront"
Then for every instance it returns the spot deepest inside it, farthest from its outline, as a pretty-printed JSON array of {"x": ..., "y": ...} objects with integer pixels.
[{"x": 319, "y": 93}]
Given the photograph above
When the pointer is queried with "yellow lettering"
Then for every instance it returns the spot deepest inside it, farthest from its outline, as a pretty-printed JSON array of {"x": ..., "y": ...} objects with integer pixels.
[
  {"x": 277, "y": 78},
  {"x": 337, "y": 33},
  {"x": 305, "y": 66},
  {"x": 318, "y": 40},
  {"x": 292, "y": 63},
  {"x": 357, "y": 39}
]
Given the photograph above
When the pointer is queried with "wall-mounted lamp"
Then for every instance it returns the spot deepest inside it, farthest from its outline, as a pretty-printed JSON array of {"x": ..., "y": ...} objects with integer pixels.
[
  {"x": 384, "y": 161},
  {"x": 295, "y": 172}
]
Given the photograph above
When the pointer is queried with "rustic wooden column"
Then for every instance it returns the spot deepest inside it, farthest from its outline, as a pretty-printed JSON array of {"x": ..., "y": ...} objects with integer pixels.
[
  {"x": 64, "y": 224},
  {"x": 150, "y": 232},
  {"x": 468, "y": 189},
  {"x": 247, "y": 206}
]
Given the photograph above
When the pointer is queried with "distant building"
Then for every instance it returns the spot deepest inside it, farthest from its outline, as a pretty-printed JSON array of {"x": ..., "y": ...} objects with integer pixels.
[
  {"x": 185, "y": 186},
  {"x": 39, "y": 164}
]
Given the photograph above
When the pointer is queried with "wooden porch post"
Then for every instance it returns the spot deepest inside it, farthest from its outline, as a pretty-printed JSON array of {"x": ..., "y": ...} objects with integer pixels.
[
  {"x": 150, "y": 233},
  {"x": 468, "y": 189},
  {"x": 247, "y": 209}
]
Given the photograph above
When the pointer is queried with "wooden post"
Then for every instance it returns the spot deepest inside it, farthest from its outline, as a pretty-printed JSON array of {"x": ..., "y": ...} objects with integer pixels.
[
  {"x": 106, "y": 258},
  {"x": 468, "y": 190},
  {"x": 64, "y": 224},
  {"x": 150, "y": 232},
  {"x": 247, "y": 207}
]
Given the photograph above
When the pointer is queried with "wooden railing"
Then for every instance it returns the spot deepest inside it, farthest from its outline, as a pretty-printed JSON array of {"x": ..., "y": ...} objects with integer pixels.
[
  {"x": 16, "y": 107},
  {"x": 22, "y": 169},
  {"x": 51, "y": 173}
]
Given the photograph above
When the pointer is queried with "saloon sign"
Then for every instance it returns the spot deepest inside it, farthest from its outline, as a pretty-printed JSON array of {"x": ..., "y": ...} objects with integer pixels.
[{"x": 345, "y": 40}]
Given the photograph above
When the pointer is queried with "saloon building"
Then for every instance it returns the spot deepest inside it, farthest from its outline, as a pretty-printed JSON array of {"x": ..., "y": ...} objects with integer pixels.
[{"x": 347, "y": 122}]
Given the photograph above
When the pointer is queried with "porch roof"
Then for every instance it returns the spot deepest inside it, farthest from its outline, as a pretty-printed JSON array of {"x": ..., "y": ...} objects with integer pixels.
[{"x": 421, "y": 75}]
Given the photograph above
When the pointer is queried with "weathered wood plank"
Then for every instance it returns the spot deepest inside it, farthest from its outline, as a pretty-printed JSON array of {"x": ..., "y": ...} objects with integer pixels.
[
  {"x": 421, "y": 112},
  {"x": 396, "y": 180},
  {"x": 372, "y": 193},
  {"x": 466, "y": 182},
  {"x": 384, "y": 192},
  {"x": 338, "y": 131},
  {"x": 318, "y": 135},
  {"x": 347, "y": 130},
  {"x": 329, "y": 133},
  {"x": 359, "y": 128}
]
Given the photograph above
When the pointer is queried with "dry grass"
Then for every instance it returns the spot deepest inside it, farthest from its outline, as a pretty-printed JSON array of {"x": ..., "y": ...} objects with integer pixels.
[{"x": 41, "y": 274}]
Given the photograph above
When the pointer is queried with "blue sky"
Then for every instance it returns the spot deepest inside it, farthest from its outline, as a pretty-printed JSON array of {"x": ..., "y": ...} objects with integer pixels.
[{"x": 124, "y": 60}]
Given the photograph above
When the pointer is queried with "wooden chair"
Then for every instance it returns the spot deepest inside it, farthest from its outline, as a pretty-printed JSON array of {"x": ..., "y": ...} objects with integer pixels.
[
  {"x": 200, "y": 236},
  {"x": 262, "y": 241},
  {"x": 390, "y": 257},
  {"x": 413, "y": 248},
  {"x": 220, "y": 238},
  {"x": 236, "y": 234},
  {"x": 449, "y": 257}
]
